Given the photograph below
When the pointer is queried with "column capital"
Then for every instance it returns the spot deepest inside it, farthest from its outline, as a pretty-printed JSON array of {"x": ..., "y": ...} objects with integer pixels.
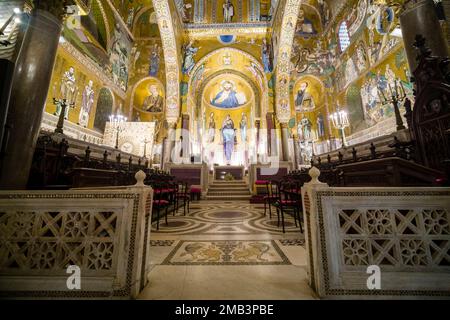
[
  {"x": 284, "y": 125},
  {"x": 58, "y": 8}
]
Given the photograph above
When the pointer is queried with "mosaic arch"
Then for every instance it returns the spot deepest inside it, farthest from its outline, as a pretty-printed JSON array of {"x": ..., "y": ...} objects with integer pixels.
[
  {"x": 140, "y": 15},
  {"x": 172, "y": 53},
  {"x": 98, "y": 6},
  {"x": 283, "y": 66},
  {"x": 263, "y": 86}
]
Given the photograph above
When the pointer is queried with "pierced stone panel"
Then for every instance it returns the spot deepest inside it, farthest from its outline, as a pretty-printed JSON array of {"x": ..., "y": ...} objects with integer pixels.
[
  {"x": 436, "y": 222},
  {"x": 413, "y": 253},
  {"x": 53, "y": 240},
  {"x": 351, "y": 222},
  {"x": 355, "y": 252},
  {"x": 407, "y": 222},
  {"x": 395, "y": 238},
  {"x": 379, "y": 222}
]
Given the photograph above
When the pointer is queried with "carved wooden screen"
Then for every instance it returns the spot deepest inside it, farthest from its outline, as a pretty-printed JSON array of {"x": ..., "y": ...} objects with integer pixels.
[
  {"x": 431, "y": 120},
  {"x": 431, "y": 114}
]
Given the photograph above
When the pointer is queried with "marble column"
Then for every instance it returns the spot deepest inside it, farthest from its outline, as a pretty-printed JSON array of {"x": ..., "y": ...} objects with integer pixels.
[
  {"x": 419, "y": 18},
  {"x": 30, "y": 85},
  {"x": 170, "y": 143},
  {"x": 258, "y": 128},
  {"x": 446, "y": 8},
  {"x": 285, "y": 141},
  {"x": 186, "y": 137},
  {"x": 270, "y": 131},
  {"x": 296, "y": 152}
]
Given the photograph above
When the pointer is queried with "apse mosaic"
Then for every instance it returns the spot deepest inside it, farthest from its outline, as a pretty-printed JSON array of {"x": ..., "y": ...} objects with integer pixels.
[
  {"x": 228, "y": 96},
  {"x": 228, "y": 92}
]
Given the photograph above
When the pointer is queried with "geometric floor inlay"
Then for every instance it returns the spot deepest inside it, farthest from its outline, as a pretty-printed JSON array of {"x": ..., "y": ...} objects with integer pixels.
[
  {"x": 221, "y": 219},
  {"x": 292, "y": 242},
  {"x": 161, "y": 243},
  {"x": 227, "y": 252}
]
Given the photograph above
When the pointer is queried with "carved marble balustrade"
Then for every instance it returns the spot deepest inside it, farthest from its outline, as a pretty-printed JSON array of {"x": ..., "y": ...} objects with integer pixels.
[
  {"x": 405, "y": 232},
  {"x": 105, "y": 232}
]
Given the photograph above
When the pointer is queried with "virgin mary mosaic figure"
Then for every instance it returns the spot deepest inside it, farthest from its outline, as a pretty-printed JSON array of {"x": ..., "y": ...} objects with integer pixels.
[{"x": 228, "y": 135}]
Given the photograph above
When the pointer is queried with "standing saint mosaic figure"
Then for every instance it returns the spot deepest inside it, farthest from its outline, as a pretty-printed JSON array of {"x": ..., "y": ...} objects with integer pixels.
[
  {"x": 228, "y": 135},
  {"x": 243, "y": 126},
  {"x": 68, "y": 91},
  {"x": 228, "y": 11},
  {"x": 87, "y": 100},
  {"x": 211, "y": 128}
]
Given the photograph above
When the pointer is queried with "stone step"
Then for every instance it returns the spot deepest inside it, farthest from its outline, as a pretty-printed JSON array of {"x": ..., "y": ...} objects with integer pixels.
[
  {"x": 230, "y": 198},
  {"x": 237, "y": 193},
  {"x": 226, "y": 188},
  {"x": 229, "y": 182},
  {"x": 231, "y": 185}
]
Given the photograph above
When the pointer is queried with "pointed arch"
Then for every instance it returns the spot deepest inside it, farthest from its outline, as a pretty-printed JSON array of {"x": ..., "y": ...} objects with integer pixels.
[
  {"x": 290, "y": 13},
  {"x": 264, "y": 88},
  {"x": 169, "y": 25}
]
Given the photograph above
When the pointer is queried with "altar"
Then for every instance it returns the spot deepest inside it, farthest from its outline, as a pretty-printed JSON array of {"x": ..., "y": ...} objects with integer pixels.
[{"x": 237, "y": 172}]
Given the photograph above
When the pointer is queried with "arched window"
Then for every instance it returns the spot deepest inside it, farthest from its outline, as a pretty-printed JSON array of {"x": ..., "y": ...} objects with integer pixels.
[{"x": 344, "y": 37}]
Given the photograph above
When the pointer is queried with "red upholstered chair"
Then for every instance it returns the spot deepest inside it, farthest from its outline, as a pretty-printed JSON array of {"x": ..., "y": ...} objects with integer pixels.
[
  {"x": 183, "y": 197},
  {"x": 271, "y": 197},
  {"x": 290, "y": 201},
  {"x": 160, "y": 202},
  {"x": 195, "y": 193}
]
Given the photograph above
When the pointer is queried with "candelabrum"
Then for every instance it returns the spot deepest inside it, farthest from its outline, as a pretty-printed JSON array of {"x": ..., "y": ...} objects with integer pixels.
[
  {"x": 117, "y": 122},
  {"x": 63, "y": 104},
  {"x": 396, "y": 95},
  {"x": 340, "y": 121},
  {"x": 12, "y": 18}
]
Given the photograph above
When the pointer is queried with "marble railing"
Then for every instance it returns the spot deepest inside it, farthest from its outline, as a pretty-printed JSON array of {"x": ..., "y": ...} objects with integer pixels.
[
  {"x": 377, "y": 242},
  {"x": 103, "y": 233}
]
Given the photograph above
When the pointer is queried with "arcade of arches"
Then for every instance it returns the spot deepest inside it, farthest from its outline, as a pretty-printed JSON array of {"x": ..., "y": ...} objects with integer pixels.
[{"x": 227, "y": 108}]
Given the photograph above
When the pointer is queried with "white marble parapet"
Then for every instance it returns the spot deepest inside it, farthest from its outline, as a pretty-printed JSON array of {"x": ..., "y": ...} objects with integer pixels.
[
  {"x": 369, "y": 243},
  {"x": 104, "y": 233}
]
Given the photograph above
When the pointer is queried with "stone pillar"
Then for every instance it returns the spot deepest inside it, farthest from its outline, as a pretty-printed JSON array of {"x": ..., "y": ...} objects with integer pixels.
[
  {"x": 30, "y": 85},
  {"x": 446, "y": 8},
  {"x": 170, "y": 143},
  {"x": 258, "y": 128},
  {"x": 285, "y": 141},
  {"x": 163, "y": 153},
  {"x": 419, "y": 17},
  {"x": 296, "y": 153},
  {"x": 270, "y": 129},
  {"x": 186, "y": 137}
]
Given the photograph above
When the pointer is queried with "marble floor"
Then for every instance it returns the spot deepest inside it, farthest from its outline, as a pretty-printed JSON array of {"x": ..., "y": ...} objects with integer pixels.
[{"x": 227, "y": 250}]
